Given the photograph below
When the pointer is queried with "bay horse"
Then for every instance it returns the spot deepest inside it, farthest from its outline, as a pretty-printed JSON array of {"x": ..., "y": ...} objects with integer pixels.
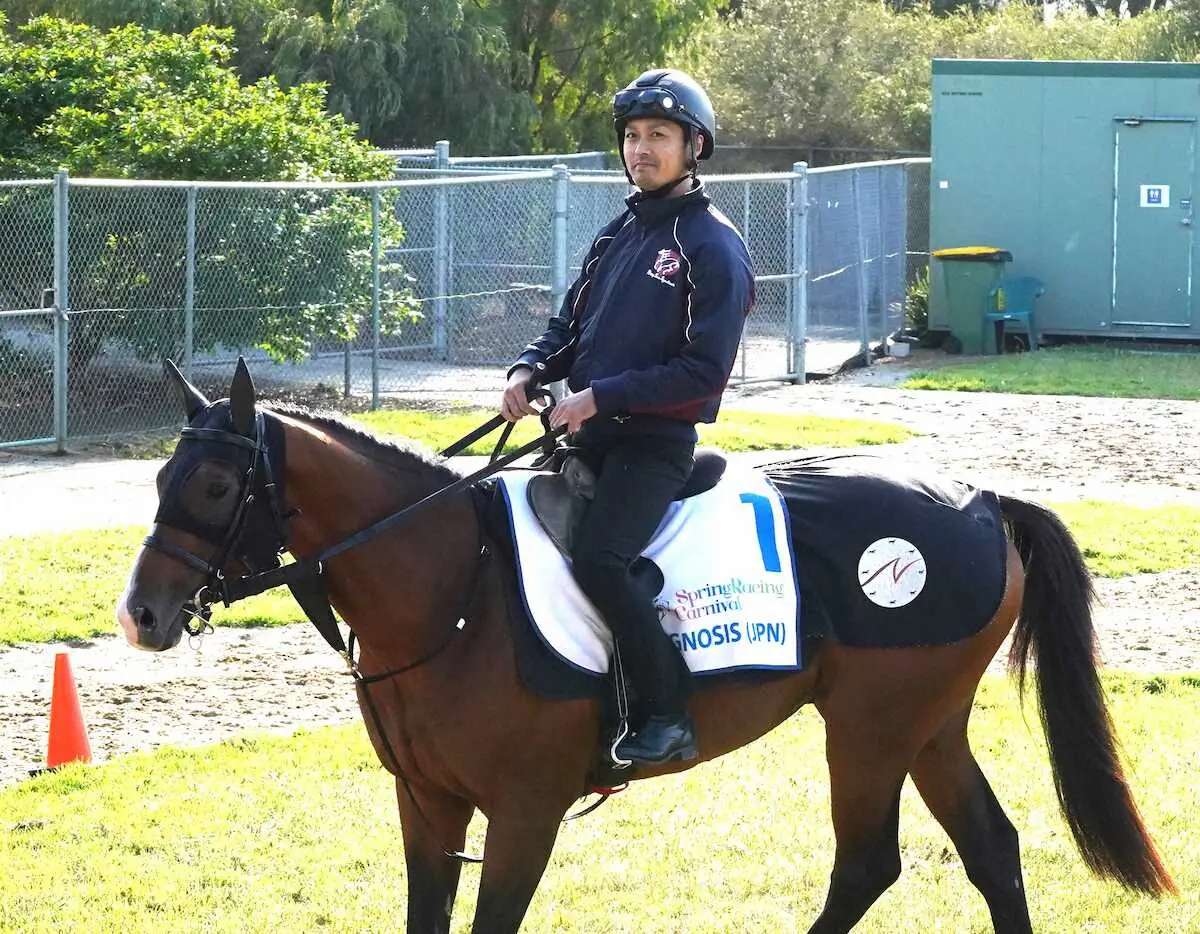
[{"x": 448, "y": 714}]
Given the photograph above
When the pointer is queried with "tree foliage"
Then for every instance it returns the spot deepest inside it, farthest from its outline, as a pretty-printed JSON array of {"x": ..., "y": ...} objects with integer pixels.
[
  {"x": 135, "y": 102},
  {"x": 1091, "y": 7},
  {"x": 490, "y": 75},
  {"x": 570, "y": 56},
  {"x": 273, "y": 268},
  {"x": 857, "y": 73},
  {"x": 537, "y": 75},
  {"x": 405, "y": 72},
  {"x": 1123, "y": 7}
]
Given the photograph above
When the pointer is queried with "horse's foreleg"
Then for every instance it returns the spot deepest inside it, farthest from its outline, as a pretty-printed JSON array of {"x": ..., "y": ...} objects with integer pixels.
[
  {"x": 519, "y": 841},
  {"x": 956, "y": 792},
  {"x": 434, "y": 823}
]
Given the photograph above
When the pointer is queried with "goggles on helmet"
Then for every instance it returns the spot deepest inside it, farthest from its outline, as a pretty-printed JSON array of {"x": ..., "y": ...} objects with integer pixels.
[{"x": 655, "y": 98}]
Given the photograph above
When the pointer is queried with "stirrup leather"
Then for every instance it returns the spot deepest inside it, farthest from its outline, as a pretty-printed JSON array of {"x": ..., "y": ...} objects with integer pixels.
[{"x": 559, "y": 500}]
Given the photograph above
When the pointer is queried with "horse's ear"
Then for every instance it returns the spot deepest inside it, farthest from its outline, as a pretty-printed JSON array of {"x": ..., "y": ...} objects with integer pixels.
[
  {"x": 192, "y": 398},
  {"x": 241, "y": 399}
]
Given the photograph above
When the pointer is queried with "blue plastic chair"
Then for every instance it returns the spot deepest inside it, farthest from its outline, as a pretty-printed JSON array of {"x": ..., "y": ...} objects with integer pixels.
[{"x": 1012, "y": 299}]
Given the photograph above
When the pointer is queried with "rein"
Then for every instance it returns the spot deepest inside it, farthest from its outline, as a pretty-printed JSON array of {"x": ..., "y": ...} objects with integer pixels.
[{"x": 304, "y": 577}]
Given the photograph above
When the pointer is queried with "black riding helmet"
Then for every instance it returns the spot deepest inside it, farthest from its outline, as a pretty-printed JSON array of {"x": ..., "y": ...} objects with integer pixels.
[{"x": 674, "y": 96}]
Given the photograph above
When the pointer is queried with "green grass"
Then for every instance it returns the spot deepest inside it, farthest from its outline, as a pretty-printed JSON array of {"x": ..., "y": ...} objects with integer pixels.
[
  {"x": 265, "y": 834},
  {"x": 150, "y": 445},
  {"x": 64, "y": 586},
  {"x": 736, "y": 430},
  {"x": 1118, "y": 540},
  {"x": 1073, "y": 371},
  {"x": 743, "y": 430},
  {"x": 436, "y": 428}
]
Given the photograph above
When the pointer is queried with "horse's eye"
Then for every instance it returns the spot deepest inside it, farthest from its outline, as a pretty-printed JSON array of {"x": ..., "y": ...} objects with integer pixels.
[{"x": 209, "y": 492}]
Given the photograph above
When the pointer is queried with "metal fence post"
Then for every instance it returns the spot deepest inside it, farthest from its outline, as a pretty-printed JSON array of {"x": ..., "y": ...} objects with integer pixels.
[
  {"x": 62, "y": 307},
  {"x": 903, "y": 261},
  {"x": 863, "y": 301},
  {"x": 798, "y": 267},
  {"x": 375, "y": 257},
  {"x": 189, "y": 285},
  {"x": 881, "y": 261},
  {"x": 745, "y": 228},
  {"x": 560, "y": 260},
  {"x": 441, "y": 251},
  {"x": 558, "y": 249}
]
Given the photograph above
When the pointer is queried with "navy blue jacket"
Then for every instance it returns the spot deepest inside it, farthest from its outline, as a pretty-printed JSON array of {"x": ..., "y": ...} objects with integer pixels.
[{"x": 654, "y": 320}]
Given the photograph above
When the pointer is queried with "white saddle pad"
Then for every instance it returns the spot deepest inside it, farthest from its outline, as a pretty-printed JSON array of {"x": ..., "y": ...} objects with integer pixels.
[{"x": 730, "y": 598}]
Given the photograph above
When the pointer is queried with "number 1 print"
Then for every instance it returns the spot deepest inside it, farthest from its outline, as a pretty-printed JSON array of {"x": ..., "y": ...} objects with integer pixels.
[{"x": 764, "y": 524}]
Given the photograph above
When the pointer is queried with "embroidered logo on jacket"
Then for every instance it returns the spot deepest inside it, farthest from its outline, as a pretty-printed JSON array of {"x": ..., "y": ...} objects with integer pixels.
[{"x": 666, "y": 265}]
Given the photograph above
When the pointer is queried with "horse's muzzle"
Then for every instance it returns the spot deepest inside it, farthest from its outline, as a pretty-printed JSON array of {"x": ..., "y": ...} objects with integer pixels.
[{"x": 145, "y": 629}]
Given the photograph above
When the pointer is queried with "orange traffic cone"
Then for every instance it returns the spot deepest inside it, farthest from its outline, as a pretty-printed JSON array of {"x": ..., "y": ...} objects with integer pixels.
[{"x": 68, "y": 735}]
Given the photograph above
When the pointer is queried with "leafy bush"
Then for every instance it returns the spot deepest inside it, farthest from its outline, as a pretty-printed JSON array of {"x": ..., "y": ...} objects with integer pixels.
[
  {"x": 274, "y": 267},
  {"x": 857, "y": 73},
  {"x": 916, "y": 304}
]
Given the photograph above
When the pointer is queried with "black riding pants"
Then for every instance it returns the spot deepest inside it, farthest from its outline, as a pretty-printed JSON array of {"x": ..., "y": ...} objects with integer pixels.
[{"x": 637, "y": 477}]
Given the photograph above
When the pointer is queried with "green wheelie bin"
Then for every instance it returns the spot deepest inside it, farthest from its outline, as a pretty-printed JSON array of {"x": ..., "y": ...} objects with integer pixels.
[{"x": 968, "y": 273}]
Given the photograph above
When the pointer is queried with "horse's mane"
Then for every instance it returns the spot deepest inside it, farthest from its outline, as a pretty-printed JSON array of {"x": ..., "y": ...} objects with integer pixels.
[{"x": 407, "y": 457}]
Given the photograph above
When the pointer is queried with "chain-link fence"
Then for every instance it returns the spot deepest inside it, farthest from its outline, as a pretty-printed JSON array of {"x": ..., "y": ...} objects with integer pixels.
[
  {"x": 428, "y": 285},
  {"x": 868, "y": 237},
  {"x": 28, "y": 324}
]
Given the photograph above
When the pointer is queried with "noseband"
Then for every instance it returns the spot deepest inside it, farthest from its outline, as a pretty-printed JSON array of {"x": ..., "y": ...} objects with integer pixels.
[{"x": 215, "y": 586}]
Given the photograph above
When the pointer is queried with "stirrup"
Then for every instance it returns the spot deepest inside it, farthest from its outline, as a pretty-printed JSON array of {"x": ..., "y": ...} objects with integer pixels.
[
  {"x": 559, "y": 501},
  {"x": 618, "y": 761}
]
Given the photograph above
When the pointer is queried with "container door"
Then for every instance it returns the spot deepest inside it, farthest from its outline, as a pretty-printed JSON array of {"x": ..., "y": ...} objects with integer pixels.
[{"x": 1152, "y": 223}]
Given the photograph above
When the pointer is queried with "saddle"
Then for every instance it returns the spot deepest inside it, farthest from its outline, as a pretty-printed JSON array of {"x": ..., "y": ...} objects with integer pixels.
[{"x": 560, "y": 497}]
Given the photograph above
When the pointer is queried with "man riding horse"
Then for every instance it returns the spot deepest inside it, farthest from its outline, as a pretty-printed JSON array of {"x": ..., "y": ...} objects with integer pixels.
[
  {"x": 394, "y": 541},
  {"x": 646, "y": 339}
]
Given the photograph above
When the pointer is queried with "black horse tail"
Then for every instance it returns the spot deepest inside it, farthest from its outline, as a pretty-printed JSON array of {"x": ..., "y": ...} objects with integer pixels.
[{"x": 1055, "y": 631}]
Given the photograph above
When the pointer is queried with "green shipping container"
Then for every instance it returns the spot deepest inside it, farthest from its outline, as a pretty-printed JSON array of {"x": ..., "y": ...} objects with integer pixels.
[{"x": 1085, "y": 172}]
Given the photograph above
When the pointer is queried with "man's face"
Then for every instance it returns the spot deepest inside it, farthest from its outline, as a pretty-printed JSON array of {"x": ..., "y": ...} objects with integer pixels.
[{"x": 655, "y": 151}]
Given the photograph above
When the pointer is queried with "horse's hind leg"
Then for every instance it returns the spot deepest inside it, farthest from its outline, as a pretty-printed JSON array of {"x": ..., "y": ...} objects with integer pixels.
[
  {"x": 438, "y": 824},
  {"x": 956, "y": 792}
]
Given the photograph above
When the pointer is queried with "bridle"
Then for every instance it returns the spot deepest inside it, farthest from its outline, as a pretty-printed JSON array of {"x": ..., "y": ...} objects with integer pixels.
[{"x": 216, "y": 586}]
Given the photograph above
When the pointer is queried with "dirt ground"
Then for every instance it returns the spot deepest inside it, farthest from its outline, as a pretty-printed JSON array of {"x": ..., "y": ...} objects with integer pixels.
[{"x": 1046, "y": 448}]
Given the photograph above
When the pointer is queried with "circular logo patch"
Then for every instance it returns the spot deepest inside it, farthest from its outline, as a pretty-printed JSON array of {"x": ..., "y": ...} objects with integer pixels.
[
  {"x": 891, "y": 572},
  {"x": 666, "y": 263}
]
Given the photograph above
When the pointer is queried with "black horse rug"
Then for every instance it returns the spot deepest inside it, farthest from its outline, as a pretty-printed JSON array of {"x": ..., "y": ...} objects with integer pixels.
[{"x": 885, "y": 556}]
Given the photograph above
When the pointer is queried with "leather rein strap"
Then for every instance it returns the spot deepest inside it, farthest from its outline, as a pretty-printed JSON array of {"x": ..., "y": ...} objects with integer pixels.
[{"x": 305, "y": 576}]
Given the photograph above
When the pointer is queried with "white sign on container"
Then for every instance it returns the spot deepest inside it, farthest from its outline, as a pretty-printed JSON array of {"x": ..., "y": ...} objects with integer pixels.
[{"x": 1156, "y": 196}]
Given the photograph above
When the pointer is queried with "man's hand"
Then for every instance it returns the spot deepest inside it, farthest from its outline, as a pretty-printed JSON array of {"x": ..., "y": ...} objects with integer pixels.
[
  {"x": 515, "y": 404},
  {"x": 573, "y": 411}
]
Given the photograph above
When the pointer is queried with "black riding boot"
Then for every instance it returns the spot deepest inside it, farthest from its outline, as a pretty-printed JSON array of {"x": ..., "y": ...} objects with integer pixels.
[
  {"x": 660, "y": 677},
  {"x": 663, "y": 738}
]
